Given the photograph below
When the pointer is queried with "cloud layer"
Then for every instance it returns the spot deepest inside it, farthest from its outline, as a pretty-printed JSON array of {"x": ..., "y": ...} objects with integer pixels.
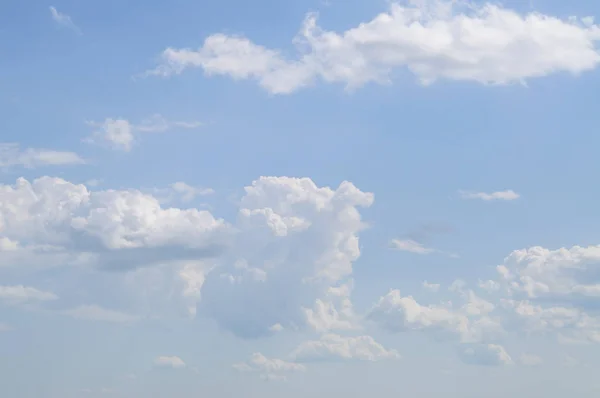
[{"x": 434, "y": 40}]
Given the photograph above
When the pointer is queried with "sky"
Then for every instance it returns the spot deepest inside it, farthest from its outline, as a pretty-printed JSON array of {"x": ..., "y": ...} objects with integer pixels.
[{"x": 299, "y": 198}]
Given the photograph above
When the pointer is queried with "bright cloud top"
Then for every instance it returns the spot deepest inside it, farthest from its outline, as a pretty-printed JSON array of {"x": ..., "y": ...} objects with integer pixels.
[
  {"x": 434, "y": 40},
  {"x": 292, "y": 243}
]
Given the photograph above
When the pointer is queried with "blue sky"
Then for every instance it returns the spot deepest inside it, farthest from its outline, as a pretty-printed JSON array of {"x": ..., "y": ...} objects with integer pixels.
[{"x": 292, "y": 198}]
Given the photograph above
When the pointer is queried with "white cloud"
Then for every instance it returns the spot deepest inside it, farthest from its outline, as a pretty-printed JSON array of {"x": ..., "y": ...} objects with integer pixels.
[
  {"x": 538, "y": 271},
  {"x": 333, "y": 312},
  {"x": 485, "y": 354},
  {"x": 286, "y": 259},
  {"x": 333, "y": 346},
  {"x": 63, "y": 20},
  {"x": 180, "y": 191},
  {"x": 24, "y": 294},
  {"x": 410, "y": 246},
  {"x": 467, "y": 324},
  {"x": 433, "y": 287},
  {"x": 464, "y": 41},
  {"x": 117, "y": 133},
  {"x": 295, "y": 242},
  {"x": 530, "y": 360},
  {"x": 169, "y": 362},
  {"x": 500, "y": 195},
  {"x": 52, "y": 211},
  {"x": 11, "y": 155},
  {"x": 269, "y": 368},
  {"x": 99, "y": 314},
  {"x": 120, "y": 134},
  {"x": 187, "y": 193}
]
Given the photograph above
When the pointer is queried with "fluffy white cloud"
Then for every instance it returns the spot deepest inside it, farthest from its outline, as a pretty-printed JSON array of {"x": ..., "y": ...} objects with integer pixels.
[
  {"x": 286, "y": 260},
  {"x": 24, "y": 294},
  {"x": 12, "y": 155},
  {"x": 333, "y": 346},
  {"x": 295, "y": 242},
  {"x": 469, "y": 323},
  {"x": 120, "y": 134},
  {"x": 539, "y": 272},
  {"x": 485, "y": 354},
  {"x": 63, "y": 20},
  {"x": 112, "y": 224},
  {"x": 269, "y": 368},
  {"x": 99, "y": 314},
  {"x": 169, "y": 362},
  {"x": 485, "y": 43},
  {"x": 500, "y": 195},
  {"x": 333, "y": 312}
]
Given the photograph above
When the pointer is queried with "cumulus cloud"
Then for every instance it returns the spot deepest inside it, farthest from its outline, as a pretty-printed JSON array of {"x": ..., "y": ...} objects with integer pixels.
[
  {"x": 335, "y": 347},
  {"x": 120, "y": 134},
  {"x": 333, "y": 312},
  {"x": 269, "y": 368},
  {"x": 296, "y": 242},
  {"x": 64, "y": 20},
  {"x": 119, "y": 228},
  {"x": 99, "y": 314},
  {"x": 11, "y": 155},
  {"x": 500, "y": 195},
  {"x": 465, "y": 41},
  {"x": 470, "y": 323},
  {"x": 24, "y": 294},
  {"x": 566, "y": 272},
  {"x": 285, "y": 260},
  {"x": 485, "y": 354},
  {"x": 169, "y": 362}
]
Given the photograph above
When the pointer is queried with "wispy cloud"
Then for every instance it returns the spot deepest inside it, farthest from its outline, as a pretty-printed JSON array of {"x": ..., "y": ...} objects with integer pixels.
[
  {"x": 411, "y": 246},
  {"x": 120, "y": 134},
  {"x": 12, "y": 155},
  {"x": 169, "y": 362},
  {"x": 499, "y": 195},
  {"x": 64, "y": 20},
  {"x": 23, "y": 294},
  {"x": 96, "y": 313}
]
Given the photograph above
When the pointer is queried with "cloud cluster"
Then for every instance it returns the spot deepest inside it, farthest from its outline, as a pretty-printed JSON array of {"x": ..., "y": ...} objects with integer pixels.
[
  {"x": 434, "y": 40},
  {"x": 286, "y": 260},
  {"x": 336, "y": 347}
]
